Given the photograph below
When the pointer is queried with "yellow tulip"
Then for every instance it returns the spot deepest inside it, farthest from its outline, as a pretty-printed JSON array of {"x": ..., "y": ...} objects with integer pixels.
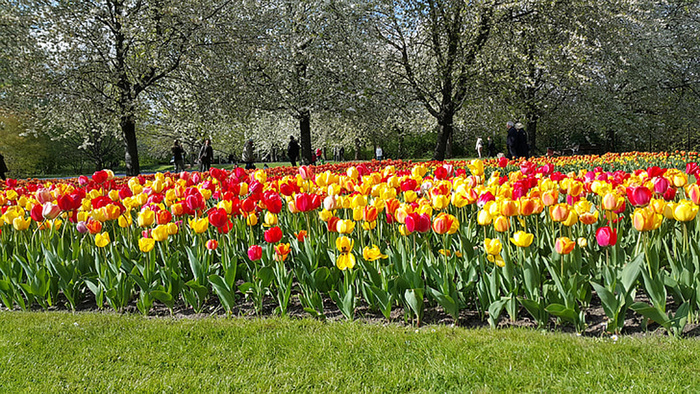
[
  {"x": 373, "y": 253},
  {"x": 496, "y": 259},
  {"x": 325, "y": 215},
  {"x": 476, "y": 167},
  {"x": 369, "y": 226},
  {"x": 251, "y": 219},
  {"x": 345, "y": 226},
  {"x": 20, "y": 223},
  {"x": 357, "y": 213},
  {"x": 571, "y": 219},
  {"x": 160, "y": 233},
  {"x": 172, "y": 228},
  {"x": 344, "y": 244},
  {"x": 270, "y": 219},
  {"x": 102, "y": 239},
  {"x": 410, "y": 196},
  {"x": 199, "y": 225},
  {"x": 345, "y": 261},
  {"x": 522, "y": 239},
  {"x": 440, "y": 202},
  {"x": 146, "y": 217},
  {"x": 146, "y": 244},
  {"x": 483, "y": 218},
  {"x": 493, "y": 246},
  {"x": 685, "y": 211},
  {"x": 125, "y": 220}
]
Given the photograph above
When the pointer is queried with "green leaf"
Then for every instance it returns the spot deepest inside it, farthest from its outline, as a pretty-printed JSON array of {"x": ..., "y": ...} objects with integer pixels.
[
  {"x": 223, "y": 291},
  {"x": 631, "y": 272},
  {"x": 610, "y": 303},
  {"x": 560, "y": 310},
  {"x": 652, "y": 313}
]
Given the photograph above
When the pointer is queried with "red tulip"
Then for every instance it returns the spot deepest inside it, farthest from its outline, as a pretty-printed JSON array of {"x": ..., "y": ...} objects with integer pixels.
[
  {"x": 273, "y": 235},
  {"x": 503, "y": 162},
  {"x": 164, "y": 217},
  {"x": 639, "y": 196},
  {"x": 303, "y": 202},
  {"x": 100, "y": 176},
  {"x": 606, "y": 236},
  {"x": 218, "y": 217},
  {"x": 254, "y": 252},
  {"x": 37, "y": 213},
  {"x": 419, "y": 223},
  {"x": 661, "y": 184}
]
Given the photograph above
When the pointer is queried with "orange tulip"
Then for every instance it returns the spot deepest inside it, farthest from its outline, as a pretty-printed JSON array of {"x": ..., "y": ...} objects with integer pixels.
[{"x": 564, "y": 245}]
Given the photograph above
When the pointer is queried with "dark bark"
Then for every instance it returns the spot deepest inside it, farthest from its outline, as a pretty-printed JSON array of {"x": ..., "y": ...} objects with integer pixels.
[
  {"x": 446, "y": 128},
  {"x": 531, "y": 128},
  {"x": 131, "y": 157},
  {"x": 305, "y": 136}
]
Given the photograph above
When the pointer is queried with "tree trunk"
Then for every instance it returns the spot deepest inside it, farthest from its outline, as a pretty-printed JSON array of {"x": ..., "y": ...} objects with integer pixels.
[
  {"x": 531, "y": 130},
  {"x": 445, "y": 123},
  {"x": 131, "y": 158},
  {"x": 305, "y": 136},
  {"x": 358, "y": 146}
]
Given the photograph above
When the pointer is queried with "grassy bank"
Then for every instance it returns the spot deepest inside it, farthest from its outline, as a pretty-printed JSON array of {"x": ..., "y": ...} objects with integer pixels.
[{"x": 108, "y": 352}]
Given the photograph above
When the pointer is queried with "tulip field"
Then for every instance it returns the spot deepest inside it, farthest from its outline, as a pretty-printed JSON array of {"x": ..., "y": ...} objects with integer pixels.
[{"x": 545, "y": 238}]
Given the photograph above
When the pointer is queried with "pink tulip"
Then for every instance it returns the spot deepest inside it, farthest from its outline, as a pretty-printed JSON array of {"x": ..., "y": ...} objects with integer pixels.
[{"x": 606, "y": 236}]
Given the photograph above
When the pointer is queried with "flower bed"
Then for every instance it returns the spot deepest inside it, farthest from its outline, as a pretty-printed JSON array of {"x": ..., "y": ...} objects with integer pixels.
[{"x": 538, "y": 238}]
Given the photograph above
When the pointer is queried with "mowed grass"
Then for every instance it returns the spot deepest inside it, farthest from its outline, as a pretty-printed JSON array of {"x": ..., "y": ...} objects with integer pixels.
[{"x": 104, "y": 352}]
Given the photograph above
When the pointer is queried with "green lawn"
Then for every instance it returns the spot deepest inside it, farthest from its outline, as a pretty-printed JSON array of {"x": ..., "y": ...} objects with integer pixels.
[{"x": 104, "y": 352}]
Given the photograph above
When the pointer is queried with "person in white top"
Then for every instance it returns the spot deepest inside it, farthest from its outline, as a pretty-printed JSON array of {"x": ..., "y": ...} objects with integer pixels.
[
  {"x": 479, "y": 146},
  {"x": 379, "y": 153}
]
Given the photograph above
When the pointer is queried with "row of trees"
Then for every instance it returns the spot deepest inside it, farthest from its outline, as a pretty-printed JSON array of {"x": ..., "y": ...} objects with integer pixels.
[{"x": 620, "y": 75}]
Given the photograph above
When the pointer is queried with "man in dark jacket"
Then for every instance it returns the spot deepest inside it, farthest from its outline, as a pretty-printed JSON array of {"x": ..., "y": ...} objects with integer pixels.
[
  {"x": 521, "y": 145},
  {"x": 206, "y": 156},
  {"x": 178, "y": 156},
  {"x": 491, "y": 147},
  {"x": 3, "y": 167},
  {"x": 293, "y": 150},
  {"x": 511, "y": 141}
]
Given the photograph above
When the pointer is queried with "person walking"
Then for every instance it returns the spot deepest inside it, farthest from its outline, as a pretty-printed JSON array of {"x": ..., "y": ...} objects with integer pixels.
[
  {"x": 206, "y": 156},
  {"x": 491, "y": 146},
  {"x": 248, "y": 156},
  {"x": 379, "y": 153},
  {"x": 479, "y": 146},
  {"x": 521, "y": 141},
  {"x": 3, "y": 167},
  {"x": 178, "y": 156},
  {"x": 511, "y": 141},
  {"x": 293, "y": 151}
]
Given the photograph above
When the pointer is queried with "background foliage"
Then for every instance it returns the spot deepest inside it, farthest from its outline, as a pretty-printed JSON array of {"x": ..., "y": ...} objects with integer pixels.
[{"x": 403, "y": 74}]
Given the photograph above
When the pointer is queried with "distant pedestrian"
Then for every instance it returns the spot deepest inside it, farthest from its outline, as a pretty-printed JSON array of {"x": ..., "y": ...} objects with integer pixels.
[
  {"x": 178, "y": 156},
  {"x": 511, "y": 141},
  {"x": 522, "y": 147},
  {"x": 248, "y": 156},
  {"x": 491, "y": 146},
  {"x": 379, "y": 153},
  {"x": 3, "y": 167},
  {"x": 479, "y": 146},
  {"x": 341, "y": 154},
  {"x": 293, "y": 150},
  {"x": 206, "y": 156}
]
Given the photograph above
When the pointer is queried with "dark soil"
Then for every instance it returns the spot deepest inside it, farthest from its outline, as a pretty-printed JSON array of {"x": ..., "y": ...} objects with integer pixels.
[{"x": 433, "y": 315}]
